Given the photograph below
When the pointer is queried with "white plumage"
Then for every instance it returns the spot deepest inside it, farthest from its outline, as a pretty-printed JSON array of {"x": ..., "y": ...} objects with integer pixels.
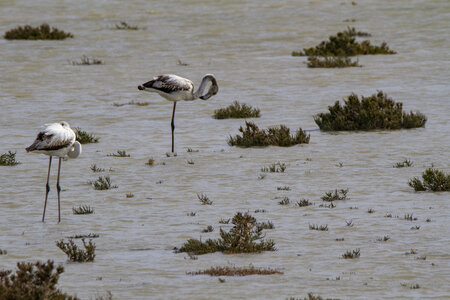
[
  {"x": 175, "y": 88},
  {"x": 57, "y": 139}
]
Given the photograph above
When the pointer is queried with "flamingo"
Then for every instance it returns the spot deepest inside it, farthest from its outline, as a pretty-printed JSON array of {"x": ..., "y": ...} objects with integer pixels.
[
  {"x": 175, "y": 88},
  {"x": 57, "y": 139}
]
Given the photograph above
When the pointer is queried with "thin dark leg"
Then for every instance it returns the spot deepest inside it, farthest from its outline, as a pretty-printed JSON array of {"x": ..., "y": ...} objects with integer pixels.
[
  {"x": 173, "y": 124},
  {"x": 47, "y": 187},
  {"x": 58, "y": 188}
]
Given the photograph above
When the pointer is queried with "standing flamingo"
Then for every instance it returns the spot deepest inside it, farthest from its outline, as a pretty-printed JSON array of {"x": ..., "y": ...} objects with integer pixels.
[
  {"x": 175, "y": 88},
  {"x": 57, "y": 139}
]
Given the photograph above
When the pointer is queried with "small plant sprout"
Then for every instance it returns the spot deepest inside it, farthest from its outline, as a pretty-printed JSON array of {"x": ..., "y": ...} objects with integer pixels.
[
  {"x": 262, "y": 176},
  {"x": 209, "y": 228},
  {"x": 265, "y": 225},
  {"x": 235, "y": 271},
  {"x": 8, "y": 159},
  {"x": 433, "y": 180},
  {"x": 150, "y": 162},
  {"x": 303, "y": 202},
  {"x": 318, "y": 227},
  {"x": 84, "y": 236},
  {"x": 204, "y": 200},
  {"x": 252, "y": 136},
  {"x": 351, "y": 254},
  {"x": 190, "y": 150},
  {"x": 190, "y": 162},
  {"x": 76, "y": 254},
  {"x": 335, "y": 195},
  {"x": 274, "y": 168},
  {"x": 384, "y": 239},
  {"x": 260, "y": 210},
  {"x": 120, "y": 153},
  {"x": 96, "y": 169},
  {"x": 331, "y": 205},
  {"x": 103, "y": 183},
  {"x": 125, "y": 26},
  {"x": 87, "y": 61},
  {"x": 3, "y": 252},
  {"x": 82, "y": 210},
  {"x": 388, "y": 215},
  {"x": 85, "y": 138},
  {"x": 236, "y": 111},
  {"x": 284, "y": 201},
  {"x": 191, "y": 214},
  {"x": 370, "y": 210},
  {"x": 411, "y": 252},
  {"x": 417, "y": 227},
  {"x": 283, "y": 188},
  {"x": 224, "y": 221},
  {"x": 129, "y": 195},
  {"x": 42, "y": 32},
  {"x": 339, "y": 239},
  {"x": 349, "y": 223},
  {"x": 410, "y": 217},
  {"x": 403, "y": 164}
]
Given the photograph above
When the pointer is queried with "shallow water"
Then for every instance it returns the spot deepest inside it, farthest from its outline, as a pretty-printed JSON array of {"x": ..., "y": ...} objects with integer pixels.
[{"x": 247, "y": 46}]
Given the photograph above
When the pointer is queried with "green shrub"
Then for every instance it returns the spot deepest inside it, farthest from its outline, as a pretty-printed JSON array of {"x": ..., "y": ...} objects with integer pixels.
[
  {"x": 42, "y": 32},
  {"x": 8, "y": 159},
  {"x": 236, "y": 111},
  {"x": 344, "y": 44},
  {"x": 252, "y": 136},
  {"x": 433, "y": 180},
  {"x": 242, "y": 238},
  {"x": 32, "y": 281},
  {"x": 374, "y": 112},
  {"x": 331, "y": 62},
  {"x": 85, "y": 138},
  {"x": 75, "y": 253}
]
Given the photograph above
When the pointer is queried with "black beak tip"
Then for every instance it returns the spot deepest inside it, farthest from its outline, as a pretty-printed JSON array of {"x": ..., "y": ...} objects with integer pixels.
[{"x": 140, "y": 87}]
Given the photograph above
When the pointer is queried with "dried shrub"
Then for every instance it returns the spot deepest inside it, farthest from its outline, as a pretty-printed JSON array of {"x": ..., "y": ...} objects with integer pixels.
[
  {"x": 32, "y": 281},
  {"x": 252, "y": 136},
  {"x": 375, "y": 112},
  {"x": 236, "y": 271}
]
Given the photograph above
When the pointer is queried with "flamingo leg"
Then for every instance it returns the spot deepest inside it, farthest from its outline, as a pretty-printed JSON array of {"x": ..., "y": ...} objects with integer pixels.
[
  {"x": 172, "y": 124},
  {"x": 58, "y": 188},
  {"x": 47, "y": 187}
]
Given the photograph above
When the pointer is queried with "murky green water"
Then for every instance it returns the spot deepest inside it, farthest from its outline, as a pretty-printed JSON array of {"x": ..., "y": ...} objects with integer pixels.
[{"x": 247, "y": 46}]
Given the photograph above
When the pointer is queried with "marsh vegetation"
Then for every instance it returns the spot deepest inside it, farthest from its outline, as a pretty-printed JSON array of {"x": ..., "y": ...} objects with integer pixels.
[
  {"x": 252, "y": 136},
  {"x": 331, "y": 62},
  {"x": 245, "y": 237},
  {"x": 375, "y": 112},
  {"x": 75, "y": 253},
  {"x": 236, "y": 271},
  {"x": 85, "y": 138},
  {"x": 236, "y": 111},
  {"x": 42, "y": 32},
  {"x": 87, "y": 61},
  {"x": 103, "y": 183},
  {"x": 8, "y": 159},
  {"x": 82, "y": 210},
  {"x": 432, "y": 180}
]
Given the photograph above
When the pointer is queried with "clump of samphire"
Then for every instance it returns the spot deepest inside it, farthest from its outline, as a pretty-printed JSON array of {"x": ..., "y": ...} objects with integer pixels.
[
  {"x": 375, "y": 112},
  {"x": 433, "y": 180},
  {"x": 103, "y": 183},
  {"x": 75, "y": 253},
  {"x": 82, "y": 210},
  {"x": 236, "y": 111},
  {"x": 344, "y": 44},
  {"x": 125, "y": 26},
  {"x": 85, "y": 138},
  {"x": 335, "y": 195},
  {"x": 42, "y": 32},
  {"x": 242, "y": 238},
  {"x": 331, "y": 62},
  {"x": 8, "y": 159},
  {"x": 32, "y": 281},
  {"x": 252, "y": 136}
]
